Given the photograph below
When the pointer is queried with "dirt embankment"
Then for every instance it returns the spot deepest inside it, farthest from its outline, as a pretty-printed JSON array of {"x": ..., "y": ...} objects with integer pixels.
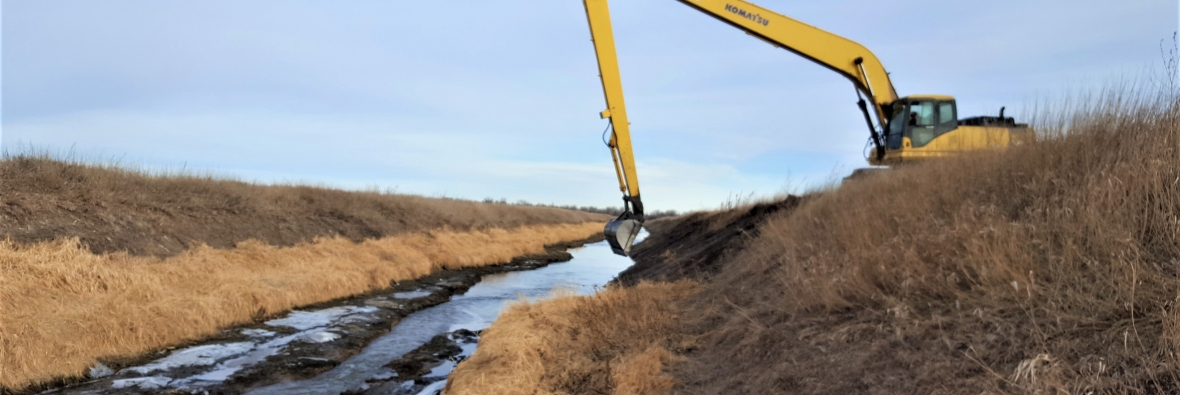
[
  {"x": 692, "y": 246},
  {"x": 111, "y": 209}
]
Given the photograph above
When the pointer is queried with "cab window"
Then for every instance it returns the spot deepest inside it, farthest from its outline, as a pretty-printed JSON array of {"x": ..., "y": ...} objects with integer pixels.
[
  {"x": 922, "y": 122},
  {"x": 922, "y": 113},
  {"x": 897, "y": 126},
  {"x": 946, "y": 113}
]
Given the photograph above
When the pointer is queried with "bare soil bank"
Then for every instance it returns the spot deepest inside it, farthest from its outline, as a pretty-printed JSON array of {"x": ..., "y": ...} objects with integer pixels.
[
  {"x": 111, "y": 209},
  {"x": 692, "y": 246}
]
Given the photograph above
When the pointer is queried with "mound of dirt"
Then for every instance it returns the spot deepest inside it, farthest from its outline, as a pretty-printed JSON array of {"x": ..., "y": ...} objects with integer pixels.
[{"x": 692, "y": 246}]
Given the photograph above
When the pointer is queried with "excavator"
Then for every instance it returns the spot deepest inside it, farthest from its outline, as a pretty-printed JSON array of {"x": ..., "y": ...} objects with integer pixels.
[{"x": 901, "y": 130}]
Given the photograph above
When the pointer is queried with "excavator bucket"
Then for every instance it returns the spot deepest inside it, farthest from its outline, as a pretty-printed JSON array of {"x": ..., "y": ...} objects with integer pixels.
[{"x": 620, "y": 233}]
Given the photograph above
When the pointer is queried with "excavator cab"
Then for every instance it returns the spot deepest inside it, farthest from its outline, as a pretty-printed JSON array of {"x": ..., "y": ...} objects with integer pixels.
[
  {"x": 928, "y": 126},
  {"x": 917, "y": 120}
]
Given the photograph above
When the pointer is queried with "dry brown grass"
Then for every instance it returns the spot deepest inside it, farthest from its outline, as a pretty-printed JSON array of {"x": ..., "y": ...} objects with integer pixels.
[
  {"x": 614, "y": 342},
  {"x": 1051, "y": 268},
  {"x": 64, "y": 307},
  {"x": 114, "y": 209}
]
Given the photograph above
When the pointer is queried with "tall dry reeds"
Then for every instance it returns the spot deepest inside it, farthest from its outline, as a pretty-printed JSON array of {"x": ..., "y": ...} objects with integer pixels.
[
  {"x": 617, "y": 341},
  {"x": 62, "y": 307},
  {"x": 1053, "y": 266}
]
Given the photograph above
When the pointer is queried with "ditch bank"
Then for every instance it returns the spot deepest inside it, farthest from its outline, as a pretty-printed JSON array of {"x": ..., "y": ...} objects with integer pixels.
[
  {"x": 66, "y": 308},
  {"x": 451, "y": 325},
  {"x": 693, "y": 246},
  {"x": 297, "y": 345},
  {"x": 630, "y": 337}
]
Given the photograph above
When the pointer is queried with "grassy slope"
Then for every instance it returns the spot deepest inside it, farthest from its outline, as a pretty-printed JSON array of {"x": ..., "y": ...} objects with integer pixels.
[
  {"x": 102, "y": 262},
  {"x": 111, "y": 209},
  {"x": 1052, "y": 267}
]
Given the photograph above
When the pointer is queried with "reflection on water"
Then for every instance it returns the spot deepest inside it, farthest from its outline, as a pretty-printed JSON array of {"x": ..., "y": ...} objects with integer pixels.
[{"x": 592, "y": 267}]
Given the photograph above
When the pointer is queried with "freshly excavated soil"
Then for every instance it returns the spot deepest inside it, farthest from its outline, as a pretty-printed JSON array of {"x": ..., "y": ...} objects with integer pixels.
[
  {"x": 693, "y": 246},
  {"x": 111, "y": 209}
]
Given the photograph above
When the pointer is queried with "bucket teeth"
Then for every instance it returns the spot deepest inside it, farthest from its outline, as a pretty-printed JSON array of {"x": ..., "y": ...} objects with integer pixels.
[{"x": 620, "y": 233}]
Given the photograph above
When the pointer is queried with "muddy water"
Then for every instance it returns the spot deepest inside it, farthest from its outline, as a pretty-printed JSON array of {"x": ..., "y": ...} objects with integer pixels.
[{"x": 592, "y": 266}]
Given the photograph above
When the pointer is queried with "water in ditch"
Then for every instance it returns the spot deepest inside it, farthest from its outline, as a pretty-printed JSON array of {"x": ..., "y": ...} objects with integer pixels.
[{"x": 592, "y": 266}]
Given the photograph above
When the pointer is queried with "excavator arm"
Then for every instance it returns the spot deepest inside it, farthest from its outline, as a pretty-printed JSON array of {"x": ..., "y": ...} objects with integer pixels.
[
  {"x": 838, "y": 54},
  {"x": 620, "y": 232}
]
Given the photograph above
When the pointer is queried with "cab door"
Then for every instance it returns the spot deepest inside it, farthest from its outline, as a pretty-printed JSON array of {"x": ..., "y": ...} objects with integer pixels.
[
  {"x": 947, "y": 121},
  {"x": 922, "y": 122}
]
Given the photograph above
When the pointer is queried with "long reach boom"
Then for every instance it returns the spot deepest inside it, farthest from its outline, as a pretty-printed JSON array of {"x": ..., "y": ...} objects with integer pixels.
[{"x": 620, "y": 232}]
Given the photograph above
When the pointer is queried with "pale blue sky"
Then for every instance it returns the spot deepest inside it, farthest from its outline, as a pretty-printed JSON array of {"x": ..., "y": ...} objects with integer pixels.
[{"x": 478, "y": 99}]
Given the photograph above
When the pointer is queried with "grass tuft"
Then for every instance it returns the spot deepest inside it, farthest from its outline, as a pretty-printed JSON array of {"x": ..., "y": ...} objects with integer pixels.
[{"x": 614, "y": 342}]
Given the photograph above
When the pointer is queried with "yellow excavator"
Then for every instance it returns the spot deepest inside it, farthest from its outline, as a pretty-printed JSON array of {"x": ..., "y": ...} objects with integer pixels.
[{"x": 906, "y": 129}]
